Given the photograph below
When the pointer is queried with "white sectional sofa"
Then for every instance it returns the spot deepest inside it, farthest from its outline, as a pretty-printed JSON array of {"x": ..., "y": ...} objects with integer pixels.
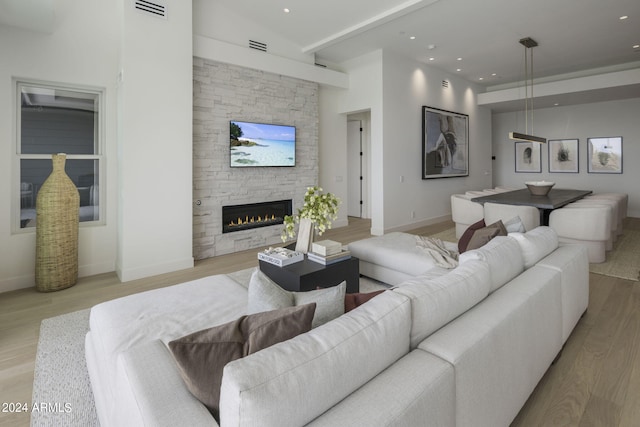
[{"x": 459, "y": 348}]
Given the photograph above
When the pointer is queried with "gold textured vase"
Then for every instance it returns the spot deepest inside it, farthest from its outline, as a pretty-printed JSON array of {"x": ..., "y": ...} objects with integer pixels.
[{"x": 57, "y": 212}]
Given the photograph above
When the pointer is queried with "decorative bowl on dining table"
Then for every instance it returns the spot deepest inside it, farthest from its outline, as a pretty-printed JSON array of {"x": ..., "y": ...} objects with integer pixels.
[{"x": 539, "y": 188}]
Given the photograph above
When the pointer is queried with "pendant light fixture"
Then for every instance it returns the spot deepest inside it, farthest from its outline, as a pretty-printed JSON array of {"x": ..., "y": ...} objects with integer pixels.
[{"x": 528, "y": 44}]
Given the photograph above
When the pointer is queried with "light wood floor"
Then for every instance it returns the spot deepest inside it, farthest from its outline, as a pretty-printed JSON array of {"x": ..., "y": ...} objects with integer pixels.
[{"x": 596, "y": 381}]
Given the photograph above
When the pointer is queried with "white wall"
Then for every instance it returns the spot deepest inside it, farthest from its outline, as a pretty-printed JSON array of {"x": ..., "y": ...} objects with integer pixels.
[
  {"x": 394, "y": 89},
  {"x": 147, "y": 227},
  {"x": 213, "y": 20},
  {"x": 155, "y": 142},
  {"x": 365, "y": 94},
  {"x": 614, "y": 118},
  {"x": 332, "y": 151},
  {"x": 409, "y": 85},
  {"x": 81, "y": 51}
]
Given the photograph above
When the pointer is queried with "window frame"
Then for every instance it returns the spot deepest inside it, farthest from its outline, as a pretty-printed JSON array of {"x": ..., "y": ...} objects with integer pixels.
[{"x": 99, "y": 134}]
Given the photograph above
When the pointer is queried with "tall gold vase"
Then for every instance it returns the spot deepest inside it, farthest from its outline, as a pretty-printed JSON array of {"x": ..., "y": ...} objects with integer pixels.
[{"x": 57, "y": 212}]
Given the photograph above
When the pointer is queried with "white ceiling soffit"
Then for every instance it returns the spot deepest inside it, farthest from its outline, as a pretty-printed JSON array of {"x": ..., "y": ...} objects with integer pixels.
[{"x": 369, "y": 23}]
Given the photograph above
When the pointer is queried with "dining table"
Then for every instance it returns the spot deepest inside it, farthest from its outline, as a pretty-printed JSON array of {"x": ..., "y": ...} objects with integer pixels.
[{"x": 556, "y": 198}]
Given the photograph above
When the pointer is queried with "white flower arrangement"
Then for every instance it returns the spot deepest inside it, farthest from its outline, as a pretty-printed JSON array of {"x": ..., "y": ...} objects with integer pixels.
[{"x": 321, "y": 209}]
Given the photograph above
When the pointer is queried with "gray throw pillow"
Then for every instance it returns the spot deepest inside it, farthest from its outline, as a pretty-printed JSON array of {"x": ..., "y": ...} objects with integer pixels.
[
  {"x": 265, "y": 295},
  {"x": 202, "y": 356},
  {"x": 515, "y": 225}
]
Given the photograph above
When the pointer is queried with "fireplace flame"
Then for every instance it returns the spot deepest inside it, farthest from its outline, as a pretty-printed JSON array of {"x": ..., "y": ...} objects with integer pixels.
[{"x": 252, "y": 220}]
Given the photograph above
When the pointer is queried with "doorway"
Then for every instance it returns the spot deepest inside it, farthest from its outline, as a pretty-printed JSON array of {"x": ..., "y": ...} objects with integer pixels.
[{"x": 357, "y": 161}]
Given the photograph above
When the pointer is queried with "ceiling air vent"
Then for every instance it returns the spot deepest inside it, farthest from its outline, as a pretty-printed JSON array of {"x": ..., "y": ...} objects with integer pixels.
[
  {"x": 445, "y": 83},
  {"x": 156, "y": 8},
  {"x": 258, "y": 45}
]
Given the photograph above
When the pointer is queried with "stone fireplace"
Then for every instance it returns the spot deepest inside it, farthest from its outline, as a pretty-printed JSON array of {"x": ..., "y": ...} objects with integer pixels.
[
  {"x": 255, "y": 215},
  {"x": 224, "y": 92}
]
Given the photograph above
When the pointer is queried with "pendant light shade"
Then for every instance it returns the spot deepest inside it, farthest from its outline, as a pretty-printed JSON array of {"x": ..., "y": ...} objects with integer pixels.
[{"x": 528, "y": 44}]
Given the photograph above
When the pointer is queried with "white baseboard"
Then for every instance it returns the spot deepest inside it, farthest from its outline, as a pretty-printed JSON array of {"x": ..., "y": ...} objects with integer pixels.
[
  {"x": 29, "y": 280},
  {"x": 126, "y": 275}
]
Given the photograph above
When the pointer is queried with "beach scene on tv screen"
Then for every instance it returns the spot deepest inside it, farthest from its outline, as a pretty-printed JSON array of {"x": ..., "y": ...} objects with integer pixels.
[{"x": 259, "y": 144}]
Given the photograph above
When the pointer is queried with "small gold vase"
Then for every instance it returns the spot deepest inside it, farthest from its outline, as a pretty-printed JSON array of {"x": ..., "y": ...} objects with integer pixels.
[{"x": 57, "y": 212}]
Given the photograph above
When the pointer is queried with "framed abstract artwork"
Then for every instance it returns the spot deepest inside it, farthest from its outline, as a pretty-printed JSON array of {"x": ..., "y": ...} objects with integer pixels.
[
  {"x": 445, "y": 143},
  {"x": 564, "y": 155},
  {"x": 528, "y": 157},
  {"x": 605, "y": 154}
]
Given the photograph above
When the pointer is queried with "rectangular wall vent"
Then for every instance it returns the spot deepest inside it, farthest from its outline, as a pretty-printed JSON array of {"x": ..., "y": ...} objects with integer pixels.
[
  {"x": 156, "y": 9},
  {"x": 445, "y": 83},
  {"x": 258, "y": 45}
]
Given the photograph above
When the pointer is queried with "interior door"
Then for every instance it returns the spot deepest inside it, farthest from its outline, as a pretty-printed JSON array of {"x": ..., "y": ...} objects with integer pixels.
[{"x": 354, "y": 168}]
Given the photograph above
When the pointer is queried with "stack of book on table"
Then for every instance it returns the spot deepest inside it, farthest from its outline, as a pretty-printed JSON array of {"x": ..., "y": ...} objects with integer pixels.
[
  {"x": 327, "y": 252},
  {"x": 280, "y": 256}
]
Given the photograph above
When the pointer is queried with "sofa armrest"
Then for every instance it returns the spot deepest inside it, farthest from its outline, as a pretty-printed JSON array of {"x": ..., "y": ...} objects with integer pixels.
[{"x": 161, "y": 395}]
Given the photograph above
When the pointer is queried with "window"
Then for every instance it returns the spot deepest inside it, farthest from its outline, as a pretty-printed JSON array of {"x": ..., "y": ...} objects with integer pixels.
[{"x": 56, "y": 119}]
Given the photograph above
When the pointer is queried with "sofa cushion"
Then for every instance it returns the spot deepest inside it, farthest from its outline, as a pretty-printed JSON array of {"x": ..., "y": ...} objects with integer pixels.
[
  {"x": 396, "y": 251},
  {"x": 417, "y": 390},
  {"x": 503, "y": 256},
  {"x": 352, "y": 301},
  {"x": 436, "y": 301},
  {"x": 293, "y": 382},
  {"x": 536, "y": 244},
  {"x": 265, "y": 295},
  {"x": 201, "y": 356}
]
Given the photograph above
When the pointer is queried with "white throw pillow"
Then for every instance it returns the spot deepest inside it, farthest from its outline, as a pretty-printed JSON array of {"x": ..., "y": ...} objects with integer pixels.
[
  {"x": 536, "y": 244},
  {"x": 514, "y": 225},
  {"x": 266, "y": 295}
]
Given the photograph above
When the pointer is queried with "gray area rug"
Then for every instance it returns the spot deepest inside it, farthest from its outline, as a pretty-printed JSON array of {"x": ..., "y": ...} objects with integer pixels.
[{"x": 61, "y": 380}]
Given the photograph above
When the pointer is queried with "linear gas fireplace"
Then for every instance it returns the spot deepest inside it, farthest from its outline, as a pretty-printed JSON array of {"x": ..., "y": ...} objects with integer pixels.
[{"x": 255, "y": 215}]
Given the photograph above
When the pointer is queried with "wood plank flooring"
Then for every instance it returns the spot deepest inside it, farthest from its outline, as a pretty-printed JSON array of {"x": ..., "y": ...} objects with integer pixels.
[{"x": 596, "y": 381}]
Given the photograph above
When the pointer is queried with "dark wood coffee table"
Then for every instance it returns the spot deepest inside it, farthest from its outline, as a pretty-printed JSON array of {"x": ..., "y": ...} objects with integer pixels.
[{"x": 309, "y": 275}]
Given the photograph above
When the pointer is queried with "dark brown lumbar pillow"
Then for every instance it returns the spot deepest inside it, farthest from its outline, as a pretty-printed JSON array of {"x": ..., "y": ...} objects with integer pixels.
[
  {"x": 466, "y": 236},
  {"x": 352, "y": 301},
  {"x": 482, "y": 236},
  {"x": 201, "y": 356}
]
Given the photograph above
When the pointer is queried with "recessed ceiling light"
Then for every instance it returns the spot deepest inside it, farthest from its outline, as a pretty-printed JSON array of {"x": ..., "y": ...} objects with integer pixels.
[
  {"x": 432, "y": 59},
  {"x": 458, "y": 69},
  {"x": 636, "y": 46},
  {"x": 459, "y": 59},
  {"x": 286, "y": 10},
  {"x": 556, "y": 103},
  {"x": 412, "y": 37},
  {"x": 431, "y": 46},
  {"x": 494, "y": 74},
  {"x": 623, "y": 17},
  {"x": 481, "y": 78}
]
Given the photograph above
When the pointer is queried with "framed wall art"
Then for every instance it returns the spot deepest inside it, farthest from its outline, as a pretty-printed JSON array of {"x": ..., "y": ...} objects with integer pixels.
[
  {"x": 605, "y": 154},
  {"x": 445, "y": 143},
  {"x": 564, "y": 155},
  {"x": 528, "y": 157}
]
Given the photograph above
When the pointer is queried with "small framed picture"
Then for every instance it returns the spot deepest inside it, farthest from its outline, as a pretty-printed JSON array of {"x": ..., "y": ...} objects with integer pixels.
[
  {"x": 564, "y": 155},
  {"x": 528, "y": 157},
  {"x": 605, "y": 154}
]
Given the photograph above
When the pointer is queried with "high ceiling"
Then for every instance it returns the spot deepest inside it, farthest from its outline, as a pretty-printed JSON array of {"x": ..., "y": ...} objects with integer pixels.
[
  {"x": 477, "y": 40},
  {"x": 573, "y": 35}
]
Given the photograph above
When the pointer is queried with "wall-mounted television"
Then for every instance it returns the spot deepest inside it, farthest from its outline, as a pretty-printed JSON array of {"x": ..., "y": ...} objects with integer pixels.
[{"x": 260, "y": 144}]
